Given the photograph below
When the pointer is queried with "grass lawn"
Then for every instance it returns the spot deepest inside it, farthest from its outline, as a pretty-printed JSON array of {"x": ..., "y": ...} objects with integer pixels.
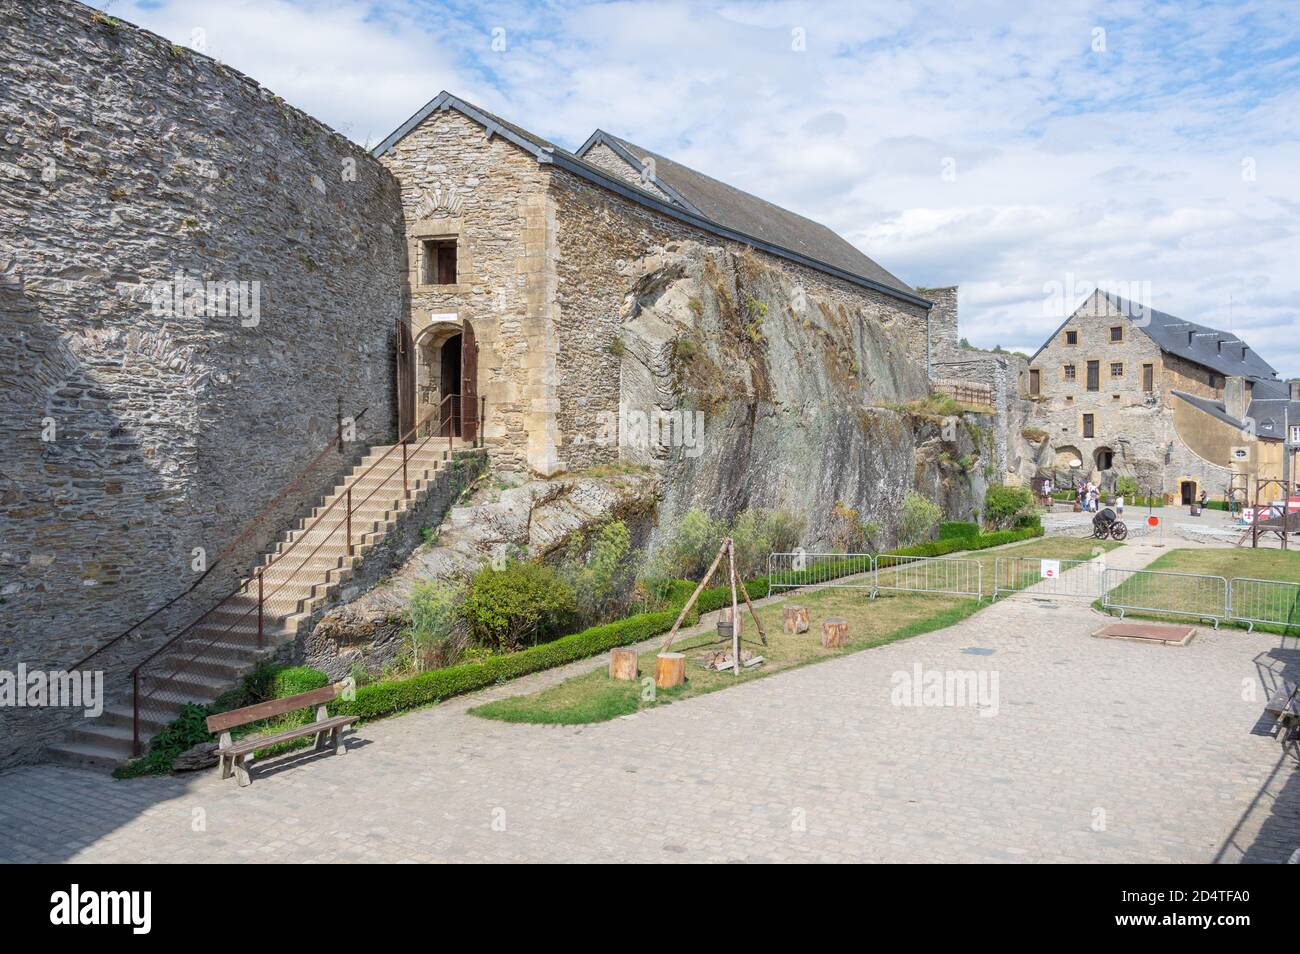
[
  {"x": 1229, "y": 562},
  {"x": 595, "y": 697}
]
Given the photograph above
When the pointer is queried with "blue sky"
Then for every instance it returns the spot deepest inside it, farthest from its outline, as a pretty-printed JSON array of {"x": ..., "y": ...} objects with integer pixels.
[{"x": 1011, "y": 148}]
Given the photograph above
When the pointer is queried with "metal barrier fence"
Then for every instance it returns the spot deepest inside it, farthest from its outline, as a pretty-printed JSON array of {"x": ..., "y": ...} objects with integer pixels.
[
  {"x": 1173, "y": 594},
  {"x": 789, "y": 570},
  {"x": 1264, "y": 601},
  {"x": 951, "y": 577},
  {"x": 1245, "y": 600},
  {"x": 1045, "y": 577},
  {"x": 875, "y": 572}
]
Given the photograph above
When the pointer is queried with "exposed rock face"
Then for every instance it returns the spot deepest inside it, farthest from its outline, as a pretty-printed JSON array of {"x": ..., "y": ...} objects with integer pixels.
[
  {"x": 744, "y": 390},
  {"x": 534, "y": 519}
]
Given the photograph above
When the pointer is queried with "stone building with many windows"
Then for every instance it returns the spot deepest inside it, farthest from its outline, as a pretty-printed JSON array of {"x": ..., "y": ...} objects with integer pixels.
[{"x": 1180, "y": 407}]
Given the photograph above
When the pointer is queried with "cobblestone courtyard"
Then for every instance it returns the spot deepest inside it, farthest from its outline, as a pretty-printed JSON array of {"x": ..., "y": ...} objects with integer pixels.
[{"x": 1100, "y": 750}]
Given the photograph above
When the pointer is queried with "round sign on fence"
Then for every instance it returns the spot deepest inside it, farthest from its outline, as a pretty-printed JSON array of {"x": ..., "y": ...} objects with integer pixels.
[{"x": 1153, "y": 521}]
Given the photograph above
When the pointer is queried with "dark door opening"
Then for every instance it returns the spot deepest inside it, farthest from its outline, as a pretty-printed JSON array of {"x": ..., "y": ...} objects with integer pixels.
[
  {"x": 1189, "y": 492},
  {"x": 449, "y": 375}
]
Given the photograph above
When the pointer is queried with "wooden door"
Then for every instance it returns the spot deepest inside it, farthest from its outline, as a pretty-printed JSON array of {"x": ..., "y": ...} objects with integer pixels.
[
  {"x": 468, "y": 384},
  {"x": 405, "y": 381}
]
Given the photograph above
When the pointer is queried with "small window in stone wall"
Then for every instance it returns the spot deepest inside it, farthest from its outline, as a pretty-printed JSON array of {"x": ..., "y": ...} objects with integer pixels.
[
  {"x": 438, "y": 262},
  {"x": 1088, "y": 426},
  {"x": 1070, "y": 375},
  {"x": 1072, "y": 337},
  {"x": 1117, "y": 333},
  {"x": 1117, "y": 369}
]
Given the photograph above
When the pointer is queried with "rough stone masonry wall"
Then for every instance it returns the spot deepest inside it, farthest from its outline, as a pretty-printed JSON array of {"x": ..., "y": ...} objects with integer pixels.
[
  {"x": 491, "y": 197},
  {"x": 1136, "y": 425},
  {"x": 132, "y": 437},
  {"x": 604, "y": 246}
]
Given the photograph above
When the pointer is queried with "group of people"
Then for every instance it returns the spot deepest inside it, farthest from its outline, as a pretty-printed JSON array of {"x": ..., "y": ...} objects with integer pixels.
[{"x": 1088, "y": 496}]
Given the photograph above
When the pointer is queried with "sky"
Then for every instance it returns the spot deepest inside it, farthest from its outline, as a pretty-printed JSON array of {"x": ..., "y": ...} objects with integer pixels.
[{"x": 1026, "y": 151}]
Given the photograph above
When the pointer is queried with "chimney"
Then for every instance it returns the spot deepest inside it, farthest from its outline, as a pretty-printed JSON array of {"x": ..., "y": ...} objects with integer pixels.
[
  {"x": 1294, "y": 385},
  {"x": 945, "y": 338},
  {"x": 1244, "y": 349},
  {"x": 1234, "y": 397}
]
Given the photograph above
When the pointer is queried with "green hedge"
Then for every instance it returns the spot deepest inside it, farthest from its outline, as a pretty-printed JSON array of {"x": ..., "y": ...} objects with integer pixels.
[
  {"x": 958, "y": 529},
  {"x": 386, "y": 698}
]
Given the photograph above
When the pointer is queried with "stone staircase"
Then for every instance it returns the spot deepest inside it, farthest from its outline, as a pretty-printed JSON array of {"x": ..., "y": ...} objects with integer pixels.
[{"x": 302, "y": 571}]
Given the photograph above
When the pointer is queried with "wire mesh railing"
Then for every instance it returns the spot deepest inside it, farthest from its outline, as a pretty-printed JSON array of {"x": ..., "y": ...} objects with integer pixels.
[
  {"x": 1043, "y": 576},
  {"x": 1270, "y": 602},
  {"x": 796, "y": 569},
  {"x": 1167, "y": 594},
  {"x": 943, "y": 575}
]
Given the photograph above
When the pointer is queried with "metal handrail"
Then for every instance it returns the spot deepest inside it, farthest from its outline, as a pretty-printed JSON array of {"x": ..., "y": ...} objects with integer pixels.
[
  {"x": 262, "y": 597},
  {"x": 257, "y": 520}
]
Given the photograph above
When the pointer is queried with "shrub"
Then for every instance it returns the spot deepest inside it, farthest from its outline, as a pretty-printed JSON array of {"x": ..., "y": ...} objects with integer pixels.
[
  {"x": 522, "y": 602},
  {"x": 759, "y": 532},
  {"x": 687, "y": 553},
  {"x": 601, "y": 576},
  {"x": 920, "y": 517},
  {"x": 1004, "y": 505},
  {"x": 848, "y": 533},
  {"x": 958, "y": 529},
  {"x": 1127, "y": 487},
  {"x": 434, "y": 609}
]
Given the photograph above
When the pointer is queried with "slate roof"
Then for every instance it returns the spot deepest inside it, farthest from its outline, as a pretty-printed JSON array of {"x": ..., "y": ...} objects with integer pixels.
[
  {"x": 1271, "y": 413},
  {"x": 1217, "y": 350},
  {"x": 739, "y": 216},
  {"x": 747, "y": 213}
]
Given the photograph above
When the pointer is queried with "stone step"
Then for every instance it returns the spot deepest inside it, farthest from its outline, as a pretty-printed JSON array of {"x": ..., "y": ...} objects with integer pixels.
[{"x": 99, "y": 754}]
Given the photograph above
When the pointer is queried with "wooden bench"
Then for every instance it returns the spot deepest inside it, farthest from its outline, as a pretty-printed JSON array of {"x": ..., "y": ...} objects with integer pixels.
[
  {"x": 236, "y": 757},
  {"x": 1284, "y": 705}
]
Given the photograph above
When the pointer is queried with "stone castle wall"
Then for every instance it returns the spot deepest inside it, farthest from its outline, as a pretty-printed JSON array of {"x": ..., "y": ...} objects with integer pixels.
[{"x": 134, "y": 436}]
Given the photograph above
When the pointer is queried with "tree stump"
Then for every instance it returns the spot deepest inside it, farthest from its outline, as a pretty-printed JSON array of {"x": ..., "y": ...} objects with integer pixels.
[
  {"x": 670, "y": 670},
  {"x": 725, "y": 617},
  {"x": 796, "y": 619},
  {"x": 623, "y": 664},
  {"x": 835, "y": 632}
]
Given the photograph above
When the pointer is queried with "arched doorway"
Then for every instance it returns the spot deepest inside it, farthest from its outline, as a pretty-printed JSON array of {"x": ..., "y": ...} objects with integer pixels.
[
  {"x": 1104, "y": 458},
  {"x": 447, "y": 379},
  {"x": 1188, "y": 489}
]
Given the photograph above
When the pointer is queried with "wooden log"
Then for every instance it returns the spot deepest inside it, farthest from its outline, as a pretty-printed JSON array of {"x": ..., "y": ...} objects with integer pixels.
[
  {"x": 670, "y": 670},
  {"x": 795, "y": 619},
  {"x": 623, "y": 664},
  {"x": 835, "y": 632}
]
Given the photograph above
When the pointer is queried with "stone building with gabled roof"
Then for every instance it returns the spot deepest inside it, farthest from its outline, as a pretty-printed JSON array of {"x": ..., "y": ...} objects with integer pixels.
[
  {"x": 522, "y": 255},
  {"x": 1181, "y": 407}
]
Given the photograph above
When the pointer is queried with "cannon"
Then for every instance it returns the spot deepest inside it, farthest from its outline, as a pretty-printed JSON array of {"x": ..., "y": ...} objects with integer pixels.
[{"x": 1106, "y": 524}]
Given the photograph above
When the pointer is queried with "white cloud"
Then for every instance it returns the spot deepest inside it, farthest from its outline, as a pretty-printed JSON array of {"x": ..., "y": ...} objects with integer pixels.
[{"x": 1121, "y": 165}]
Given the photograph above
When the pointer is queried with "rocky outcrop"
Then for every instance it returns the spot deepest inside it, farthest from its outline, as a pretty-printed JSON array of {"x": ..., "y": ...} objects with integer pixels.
[
  {"x": 743, "y": 390},
  {"x": 534, "y": 519}
]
